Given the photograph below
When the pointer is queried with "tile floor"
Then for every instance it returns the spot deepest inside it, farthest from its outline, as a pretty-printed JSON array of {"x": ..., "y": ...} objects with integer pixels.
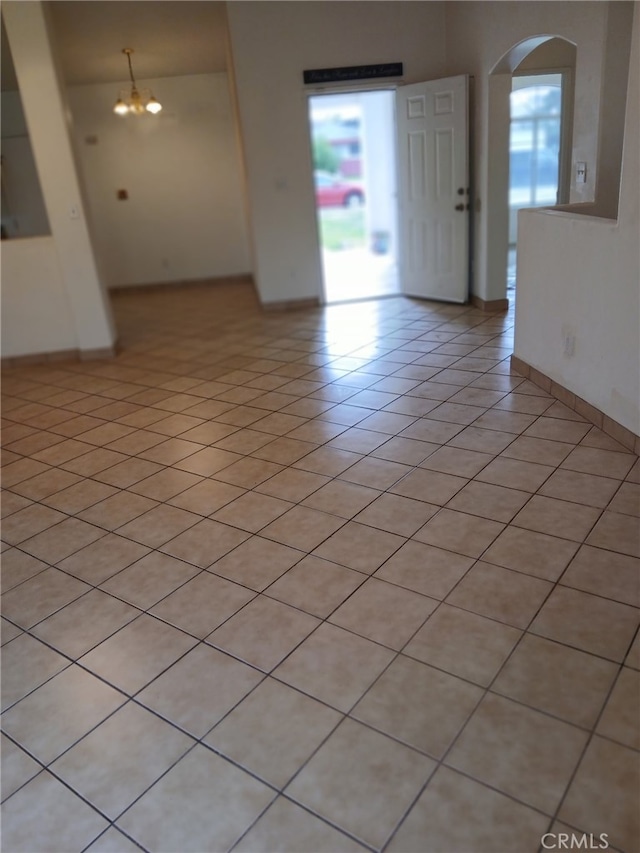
[{"x": 332, "y": 580}]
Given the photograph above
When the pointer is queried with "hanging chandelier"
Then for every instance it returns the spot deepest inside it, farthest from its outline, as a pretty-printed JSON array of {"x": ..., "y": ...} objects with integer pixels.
[{"x": 136, "y": 102}]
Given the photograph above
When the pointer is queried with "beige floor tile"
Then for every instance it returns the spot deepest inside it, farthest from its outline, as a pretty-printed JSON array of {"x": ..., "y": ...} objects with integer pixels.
[
  {"x": 137, "y": 441},
  {"x": 159, "y": 525},
  {"x": 384, "y": 612},
  {"x": 40, "y": 596},
  {"x": 79, "y": 496},
  {"x": 46, "y": 723},
  {"x": 291, "y": 727},
  {"x": 286, "y": 826},
  {"x": 42, "y": 486},
  {"x": 263, "y": 633},
  {"x": 202, "y": 604},
  {"x": 165, "y": 484},
  {"x": 581, "y": 488},
  {"x": 627, "y": 500},
  {"x": 328, "y": 461},
  {"x": 203, "y": 803},
  {"x": 248, "y": 472},
  {"x": 204, "y": 543},
  {"x": 17, "y": 567},
  {"x": 358, "y": 439},
  {"x": 135, "y": 655},
  {"x": 488, "y": 501},
  {"x": 605, "y": 573},
  {"x": 284, "y": 450},
  {"x": 375, "y": 473},
  {"x": 501, "y": 594},
  {"x": 621, "y": 718},
  {"x": 616, "y": 532},
  {"x": 64, "y": 821},
  {"x": 94, "y": 462},
  {"x": 425, "y": 569},
  {"x": 244, "y": 441},
  {"x": 419, "y": 705},
  {"x": 457, "y": 461},
  {"x": 315, "y": 586},
  {"x": 28, "y": 522},
  {"x": 457, "y": 813},
  {"x": 171, "y": 451},
  {"x": 149, "y": 580},
  {"x": 524, "y": 403},
  {"x": 603, "y": 463},
  {"x": 198, "y": 690},
  {"x": 292, "y": 485},
  {"x": 257, "y": 562},
  {"x": 8, "y": 632},
  {"x": 252, "y": 511},
  {"x": 406, "y": 451},
  {"x": 389, "y": 422},
  {"x": 126, "y": 473},
  {"x": 302, "y": 528},
  {"x": 117, "y": 510},
  {"x": 539, "y": 450},
  {"x": 62, "y": 540},
  {"x": 463, "y": 643},
  {"x": 504, "y": 421},
  {"x": 456, "y": 413},
  {"x": 557, "y": 518},
  {"x": 12, "y": 502},
  {"x": 633, "y": 655},
  {"x": 346, "y": 782},
  {"x": 538, "y": 764},
  {"x": 515, "y": 474},
  {"x": 396, "y": 514},
  {"x": 84, "y": 623},
  {"x": 20, "y": 470},
  {"x": 482, "y": 440},
  {"x": 335, "y": 666},
  {"x": 26, "y": 664},
  {"x": 459, "y": 532},
  {"x": 207, "y": 461},
  {"x": 431, "y": 486},
  {"x": 359, "y": 547},
  {"x": 113, "y": 841},
  {"x": 103, "y": 558},
  {"x": 532, "y": 553},
  {"x": 118, "y": 760},
  {"x": 559, "y": 680},
  {"x": 603, "y": 795},
  {"x": 556, "y": 429},
  {"x": 587, "y": 622},
  {"x": 17, "y": 767},
  {"x": 341, "y": 498},
  {"x": 206, "y": 497}
]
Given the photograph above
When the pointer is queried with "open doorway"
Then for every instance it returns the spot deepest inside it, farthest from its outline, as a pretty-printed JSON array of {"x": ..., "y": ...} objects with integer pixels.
[
  {"x": 535, "y": 109},
  {"x": 353, "y": 142}
]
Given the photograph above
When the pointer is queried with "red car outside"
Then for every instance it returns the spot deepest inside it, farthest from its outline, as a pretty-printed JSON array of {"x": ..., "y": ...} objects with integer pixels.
[{"x": 332, "y": 192}]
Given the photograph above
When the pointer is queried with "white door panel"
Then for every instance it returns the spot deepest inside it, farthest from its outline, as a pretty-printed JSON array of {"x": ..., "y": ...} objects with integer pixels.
[{"x": 432, "y": 119}]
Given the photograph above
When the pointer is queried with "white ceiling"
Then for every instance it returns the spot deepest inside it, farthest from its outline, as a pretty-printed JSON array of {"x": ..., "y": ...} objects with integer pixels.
[{"x": 169, "y": 38}]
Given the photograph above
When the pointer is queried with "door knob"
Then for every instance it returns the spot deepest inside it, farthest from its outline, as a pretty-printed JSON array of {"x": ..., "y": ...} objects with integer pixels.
[{"x": 460, "y": 206}]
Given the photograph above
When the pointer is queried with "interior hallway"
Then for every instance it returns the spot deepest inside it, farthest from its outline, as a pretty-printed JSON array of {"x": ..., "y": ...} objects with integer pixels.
[{"x": 330, "y": 580}]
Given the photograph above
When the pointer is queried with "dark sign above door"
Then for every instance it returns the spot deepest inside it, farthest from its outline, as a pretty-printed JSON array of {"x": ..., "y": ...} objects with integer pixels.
[{"x": 353, "y": 72}]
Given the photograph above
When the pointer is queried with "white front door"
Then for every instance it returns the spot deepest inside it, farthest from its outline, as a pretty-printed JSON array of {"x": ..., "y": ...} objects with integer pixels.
[{"x": 433, "y": 188}]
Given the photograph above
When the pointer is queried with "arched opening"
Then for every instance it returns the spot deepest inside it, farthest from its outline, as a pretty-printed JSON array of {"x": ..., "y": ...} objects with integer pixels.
[{"x": 529, "y": 162}]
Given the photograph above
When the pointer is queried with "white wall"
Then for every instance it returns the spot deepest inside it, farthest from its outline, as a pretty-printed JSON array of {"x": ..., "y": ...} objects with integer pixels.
[
  {"x": 580, "y": 275},
  {"x": 184, "y": 218},
  {"x": 36, "y": 312},
  {"x": 272, "y": 43},
  {"x": 79, "y": 308}
]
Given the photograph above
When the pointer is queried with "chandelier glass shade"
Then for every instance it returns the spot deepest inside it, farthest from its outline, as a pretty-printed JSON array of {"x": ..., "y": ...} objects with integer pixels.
[{"x": 137, "y": 101}]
